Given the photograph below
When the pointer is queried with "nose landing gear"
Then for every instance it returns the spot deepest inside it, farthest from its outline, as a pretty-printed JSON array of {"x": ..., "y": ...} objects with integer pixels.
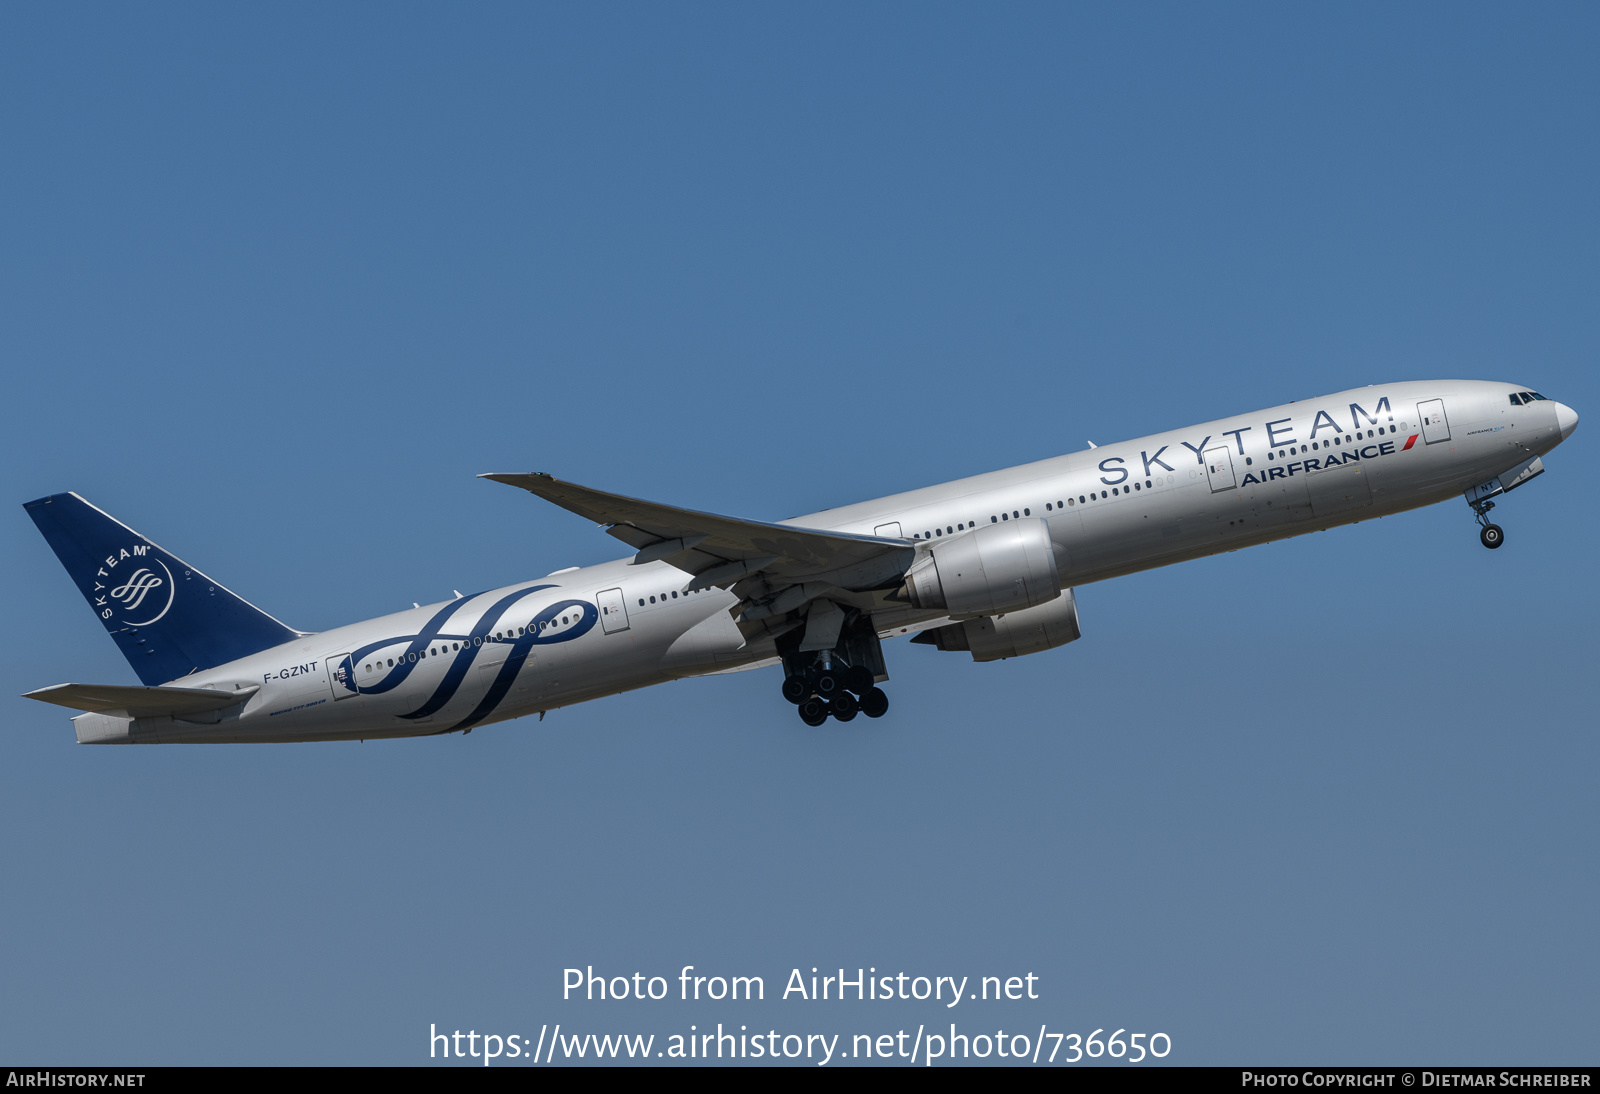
[{"x": 1491, "y": 535}]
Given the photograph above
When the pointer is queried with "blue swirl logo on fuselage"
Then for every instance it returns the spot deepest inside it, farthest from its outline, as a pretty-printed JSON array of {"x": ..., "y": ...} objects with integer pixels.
[{"x": 538, "y": 632}]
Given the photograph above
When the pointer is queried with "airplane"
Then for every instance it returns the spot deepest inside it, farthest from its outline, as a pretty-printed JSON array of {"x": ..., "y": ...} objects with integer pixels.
[{"x": 985, "y": 565}]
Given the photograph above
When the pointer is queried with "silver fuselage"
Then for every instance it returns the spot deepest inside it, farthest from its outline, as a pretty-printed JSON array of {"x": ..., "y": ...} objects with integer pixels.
[{"x": 1112, "y": 510}]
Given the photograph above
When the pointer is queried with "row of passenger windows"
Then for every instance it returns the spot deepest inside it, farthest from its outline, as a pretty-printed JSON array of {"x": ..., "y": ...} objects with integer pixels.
[
  {"x": 451, "y": 647},
  {"x": 949, "y": 530},
  {"x": 1285, "y": 453},
  {"x": 663, "y": 596},
  {"x": 1522, "y": 398},
  {"x": 1049, "y": 507}
]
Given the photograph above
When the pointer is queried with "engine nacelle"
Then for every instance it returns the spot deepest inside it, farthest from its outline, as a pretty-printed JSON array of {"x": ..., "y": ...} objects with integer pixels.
[
  {"x": 993, "y": 638},
  {"x": 997, "y": 568}
]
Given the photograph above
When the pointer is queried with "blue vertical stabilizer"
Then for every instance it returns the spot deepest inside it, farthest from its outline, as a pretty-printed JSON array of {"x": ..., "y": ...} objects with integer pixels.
[{"x": 168, "y": 618}]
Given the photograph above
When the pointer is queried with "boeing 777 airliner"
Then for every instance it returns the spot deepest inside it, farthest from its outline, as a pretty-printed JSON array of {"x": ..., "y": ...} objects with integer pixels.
[{"x": 985, "y": 565}]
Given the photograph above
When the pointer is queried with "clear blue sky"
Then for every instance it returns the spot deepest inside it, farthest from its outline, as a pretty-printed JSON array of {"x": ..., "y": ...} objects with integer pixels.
[{"x": 276, "y": 283}]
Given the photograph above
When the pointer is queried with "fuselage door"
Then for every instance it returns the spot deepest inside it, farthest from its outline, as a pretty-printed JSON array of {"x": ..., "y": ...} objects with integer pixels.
[
  {"x": 889, "y": 531},
  {"x": 342, "y": 675},
  {"x": 1219, "y": 469},
  {"x": 1435, "y": 426},
  {"x": 613, "y": 611}
]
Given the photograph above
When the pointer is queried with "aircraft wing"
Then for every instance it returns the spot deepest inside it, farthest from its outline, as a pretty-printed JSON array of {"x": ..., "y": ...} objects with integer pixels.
[
  {"x": 773, "y": 568},
  {"x": 139, "y": 702}
]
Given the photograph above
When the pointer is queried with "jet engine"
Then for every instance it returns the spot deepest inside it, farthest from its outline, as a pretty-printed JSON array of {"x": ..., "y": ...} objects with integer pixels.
[
  {"x": 993, "y": 638},
  {"x": 997, "y": 568}
]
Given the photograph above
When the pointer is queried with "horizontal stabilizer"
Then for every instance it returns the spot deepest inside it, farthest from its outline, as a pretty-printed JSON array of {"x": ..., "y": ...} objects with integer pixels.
[{"x": 138, "y": 702}]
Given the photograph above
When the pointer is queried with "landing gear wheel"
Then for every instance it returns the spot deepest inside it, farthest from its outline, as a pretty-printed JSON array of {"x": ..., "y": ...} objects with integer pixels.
[
  {"x": 795, "y": 689},
  {"x": 828, "y": 684},
  {"x": 874, "y": 703},
  {"x": 844, "y": 706},
  {"x": 813, "y": 712},
  {"x": 1492, "y": 536}
]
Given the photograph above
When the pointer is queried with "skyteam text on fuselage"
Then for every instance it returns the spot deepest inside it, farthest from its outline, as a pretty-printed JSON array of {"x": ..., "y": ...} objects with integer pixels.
[{"x": 985, "y": 565}]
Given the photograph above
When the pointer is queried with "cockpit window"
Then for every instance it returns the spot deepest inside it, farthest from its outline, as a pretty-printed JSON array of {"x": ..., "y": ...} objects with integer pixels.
[
  {"x": 1535, "y": 394},
  {"x": 1516, "y": 400}
]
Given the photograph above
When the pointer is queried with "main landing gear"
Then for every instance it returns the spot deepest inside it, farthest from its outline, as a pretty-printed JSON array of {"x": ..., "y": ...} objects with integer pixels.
[
  {"x": 841, "y": 682},
  {"x": 829, "y": 687},
  {"x": 1491, "y": 535}
]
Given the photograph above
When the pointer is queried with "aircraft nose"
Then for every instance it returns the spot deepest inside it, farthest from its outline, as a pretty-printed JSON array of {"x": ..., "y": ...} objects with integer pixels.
[{"x": 1566, "y": 419}]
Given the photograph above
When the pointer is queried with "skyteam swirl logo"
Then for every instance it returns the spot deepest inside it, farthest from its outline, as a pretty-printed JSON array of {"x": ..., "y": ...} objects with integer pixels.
[
  {"x": 464, "y": 649},
  {"x": 133, "y": 591},
  {"x": 133, "y": 588}
]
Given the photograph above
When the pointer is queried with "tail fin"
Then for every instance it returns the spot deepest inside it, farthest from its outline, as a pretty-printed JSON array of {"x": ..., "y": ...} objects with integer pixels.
[{"x": 168, "y": 618}]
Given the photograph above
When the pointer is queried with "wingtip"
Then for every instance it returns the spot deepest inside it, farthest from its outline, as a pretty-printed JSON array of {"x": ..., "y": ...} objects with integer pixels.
[{"x": 512, "y": 476}]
